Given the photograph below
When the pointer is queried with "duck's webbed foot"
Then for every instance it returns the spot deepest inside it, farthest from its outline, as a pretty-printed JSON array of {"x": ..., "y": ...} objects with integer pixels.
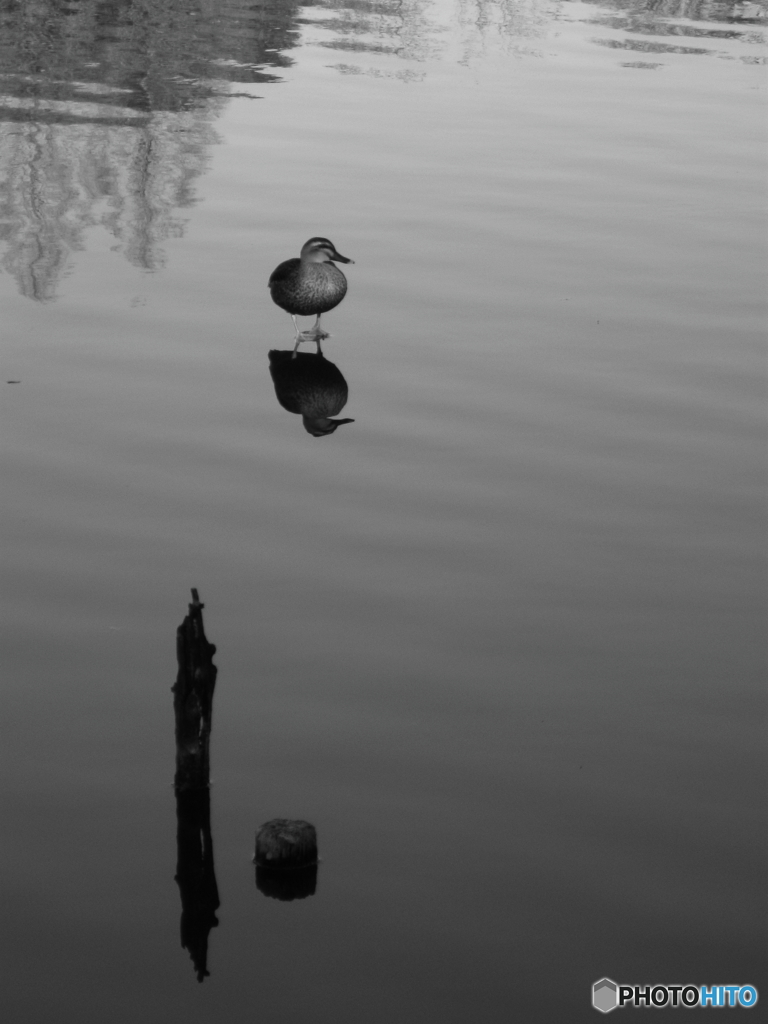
[{"x": 309, "y": 336}]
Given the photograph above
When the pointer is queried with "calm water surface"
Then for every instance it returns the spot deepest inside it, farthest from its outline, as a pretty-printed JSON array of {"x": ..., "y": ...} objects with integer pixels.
[{"x": 501, "y": 639}]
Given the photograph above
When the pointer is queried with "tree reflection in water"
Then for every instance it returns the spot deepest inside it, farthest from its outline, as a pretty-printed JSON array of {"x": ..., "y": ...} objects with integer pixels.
[
  {"x": 106, "y": 113},
  {"x": 106, "y": 108}
]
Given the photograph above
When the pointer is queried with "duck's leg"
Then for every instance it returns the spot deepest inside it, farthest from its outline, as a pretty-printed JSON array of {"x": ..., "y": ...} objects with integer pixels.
[
  {"x": 318, "y": 334},
  {"x": 315, "y": 333},
  {"x": 299, "y": 337}
]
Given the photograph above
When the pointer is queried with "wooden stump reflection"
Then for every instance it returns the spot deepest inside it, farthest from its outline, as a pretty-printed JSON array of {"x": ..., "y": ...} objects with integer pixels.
[{"x": 195, "y": 875}]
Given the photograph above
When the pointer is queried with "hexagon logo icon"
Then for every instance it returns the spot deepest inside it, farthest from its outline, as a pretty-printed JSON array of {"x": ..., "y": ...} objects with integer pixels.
[{"x": 604, "y": 995}]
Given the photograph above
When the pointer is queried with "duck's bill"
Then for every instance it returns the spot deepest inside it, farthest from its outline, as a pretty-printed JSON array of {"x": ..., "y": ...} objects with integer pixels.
[{"x": 337, "y": 257}]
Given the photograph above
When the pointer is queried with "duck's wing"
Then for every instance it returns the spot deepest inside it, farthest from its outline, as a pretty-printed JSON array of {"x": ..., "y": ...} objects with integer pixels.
[{"x": 284, "y": 271}]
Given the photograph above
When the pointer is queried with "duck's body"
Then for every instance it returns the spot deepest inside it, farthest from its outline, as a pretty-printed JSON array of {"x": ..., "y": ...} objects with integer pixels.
[
  {"x": 310, "y": 285},
  {"x": 310, "y": 386},
  {"x": 307, "y": 289}
]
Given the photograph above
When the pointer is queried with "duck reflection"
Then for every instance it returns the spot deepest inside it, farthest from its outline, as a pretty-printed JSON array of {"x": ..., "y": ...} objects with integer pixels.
[{"x": 311, "y": 386}]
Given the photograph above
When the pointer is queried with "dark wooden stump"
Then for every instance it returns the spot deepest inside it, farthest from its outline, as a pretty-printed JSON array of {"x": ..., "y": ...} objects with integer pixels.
[
  {"x": 286, "y": 859},
  {"x": 282, "y": 843},
  {"x": 193, "y": 700},
  {"x": 192, "y": 705}
]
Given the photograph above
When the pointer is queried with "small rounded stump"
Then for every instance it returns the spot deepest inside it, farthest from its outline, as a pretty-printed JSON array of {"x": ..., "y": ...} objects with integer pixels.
[
  {"x": 282, "y": 843},
  {"x": 286, "y": 859}
]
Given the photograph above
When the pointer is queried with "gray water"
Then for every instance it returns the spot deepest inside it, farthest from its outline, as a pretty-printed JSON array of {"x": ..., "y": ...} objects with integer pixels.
[{"x": 501, "y": 639}]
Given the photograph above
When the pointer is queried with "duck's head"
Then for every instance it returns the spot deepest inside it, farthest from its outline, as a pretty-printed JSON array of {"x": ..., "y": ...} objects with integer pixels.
[
  {"x": 319, "y": 426},
  {"x": 322, "y": 250}
]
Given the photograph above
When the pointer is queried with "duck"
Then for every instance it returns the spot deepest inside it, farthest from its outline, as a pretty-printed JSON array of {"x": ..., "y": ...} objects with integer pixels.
[
  {"x": 310, "y": 284},
  {"x": 311, "y": 386}
]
